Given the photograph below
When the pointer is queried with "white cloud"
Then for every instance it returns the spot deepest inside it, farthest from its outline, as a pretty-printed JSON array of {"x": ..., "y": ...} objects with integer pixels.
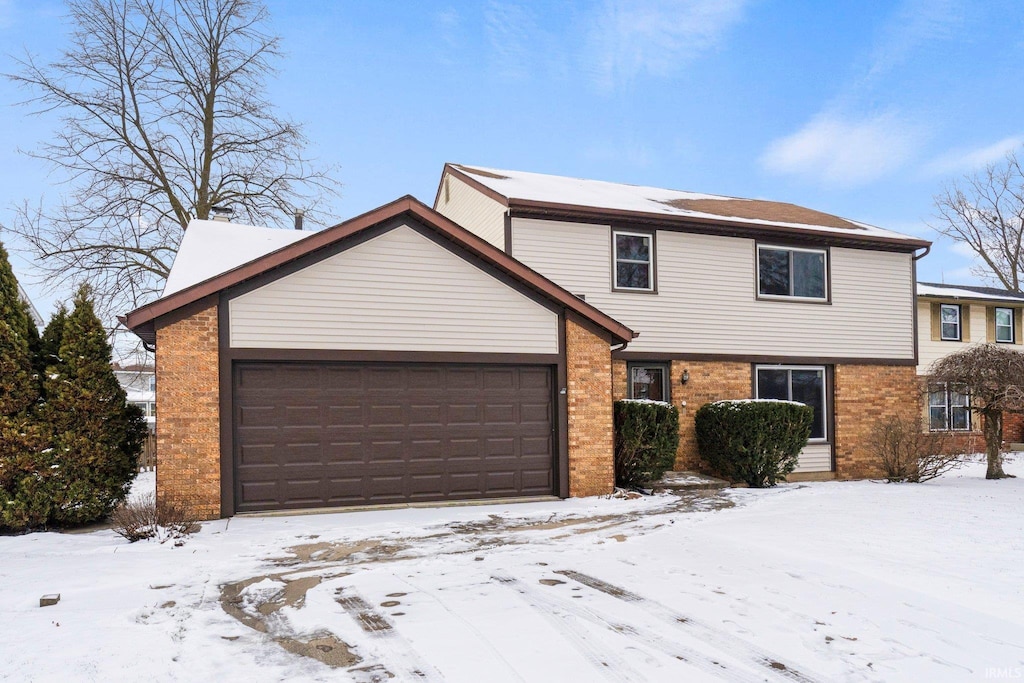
[
  {"x": 965, "y": 160},
  {"x": 842, "y": 151},
  {"x": 512, "y": 32},
  {"x": 654, "y": 37},
  {"x": 916, "y": 23}
]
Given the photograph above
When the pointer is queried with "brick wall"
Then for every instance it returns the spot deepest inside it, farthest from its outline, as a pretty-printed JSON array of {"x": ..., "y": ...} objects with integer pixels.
[
  {"x": 591, "y": 430},
  {"x": 709, "y": 381},
  {"x": 188, "y": 410},
  {"x": 865, "y": 395}
]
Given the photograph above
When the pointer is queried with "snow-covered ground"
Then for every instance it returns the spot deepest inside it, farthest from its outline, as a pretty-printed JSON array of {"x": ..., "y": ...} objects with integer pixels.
[{"x": 819, "y": 581}]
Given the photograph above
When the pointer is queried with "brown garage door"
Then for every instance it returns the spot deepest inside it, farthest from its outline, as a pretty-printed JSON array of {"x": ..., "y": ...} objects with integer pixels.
[{"x": 329, "y": 434}]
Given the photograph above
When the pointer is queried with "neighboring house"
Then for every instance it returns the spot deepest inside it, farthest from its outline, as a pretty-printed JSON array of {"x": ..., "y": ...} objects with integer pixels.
[
  {"x": 139, "y": 383},
  {"x": 951, "y": 317},
  {"x": 395, "y": 358},
  {"x": 732, "y": 298},
  {"x": 36, "y": 318}
]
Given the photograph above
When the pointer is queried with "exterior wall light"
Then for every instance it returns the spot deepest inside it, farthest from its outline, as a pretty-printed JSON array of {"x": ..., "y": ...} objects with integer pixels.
[{"x": 686, "y": 376}]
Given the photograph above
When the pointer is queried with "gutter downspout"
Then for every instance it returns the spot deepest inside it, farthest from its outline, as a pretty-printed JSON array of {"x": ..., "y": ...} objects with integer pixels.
[{"x": 927, "y": 250}]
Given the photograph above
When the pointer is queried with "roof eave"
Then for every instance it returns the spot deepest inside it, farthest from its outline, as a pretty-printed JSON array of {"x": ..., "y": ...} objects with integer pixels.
[{"x": 534, "y": 208}]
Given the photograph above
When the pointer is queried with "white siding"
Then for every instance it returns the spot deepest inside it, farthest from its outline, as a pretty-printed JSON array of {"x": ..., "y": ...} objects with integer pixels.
[
  {"x": 815, "y": 457},
  {"x": 706, "y": 300},
  {"x": 472, "y": 209},
  {"x": 399, "y": 291}
]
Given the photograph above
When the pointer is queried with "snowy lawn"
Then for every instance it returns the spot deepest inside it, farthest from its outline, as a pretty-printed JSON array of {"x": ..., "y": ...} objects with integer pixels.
[{"x": 823, "y": 581}]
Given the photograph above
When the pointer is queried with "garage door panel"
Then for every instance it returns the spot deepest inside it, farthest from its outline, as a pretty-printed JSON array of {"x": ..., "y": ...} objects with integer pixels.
[{"x": 327, "y": 434}]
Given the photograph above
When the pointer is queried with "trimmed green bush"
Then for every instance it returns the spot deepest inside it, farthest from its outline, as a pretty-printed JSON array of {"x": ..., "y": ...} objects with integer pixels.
[
  {"x": 646, "y": 440},
  {"x": 756, "y": 442}
]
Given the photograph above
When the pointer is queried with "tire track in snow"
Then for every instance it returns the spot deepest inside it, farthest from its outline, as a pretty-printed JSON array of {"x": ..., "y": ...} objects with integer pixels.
[
  {"x": 398, "y": 653},
  {"x": 609, "y": 664},
  {"x": 563, "y": 608},
  {"x": 722, "y": 640},
  {"x": 469, "y": 625}
]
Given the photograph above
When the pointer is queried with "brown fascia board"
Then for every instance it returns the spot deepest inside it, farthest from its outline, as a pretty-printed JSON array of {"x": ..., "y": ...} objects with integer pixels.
[
  {"x": 143, "y": 319},
  {"x": 529, "y": 208},
  {"x": 939, "y": 298}
]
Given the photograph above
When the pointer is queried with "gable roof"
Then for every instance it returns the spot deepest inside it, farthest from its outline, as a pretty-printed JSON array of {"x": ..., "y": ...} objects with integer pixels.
[
  {"x": 944, "y": 291},
  {"x": 142, "y": 320},
  {"x": 559, "y": 196},
  {"x": 210, "y": 248}
]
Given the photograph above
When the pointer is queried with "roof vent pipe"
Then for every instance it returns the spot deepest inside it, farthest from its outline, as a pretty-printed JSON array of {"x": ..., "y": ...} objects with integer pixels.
[
  {"x": 298, "y": 219},
  {"x": 222, "y": 213}
]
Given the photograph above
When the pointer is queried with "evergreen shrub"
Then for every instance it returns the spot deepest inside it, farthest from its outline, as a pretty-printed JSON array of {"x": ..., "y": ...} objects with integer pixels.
[
  {"x": 646, "y": 440},
  {"x": 753, "y": 441}
]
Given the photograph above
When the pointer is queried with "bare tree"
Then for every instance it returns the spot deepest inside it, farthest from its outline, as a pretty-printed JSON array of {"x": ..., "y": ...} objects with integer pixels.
[
  {"x": 985, "y": 211},
  {"x": 993, "y": 375},
  {"x": 163, "y": 116}
]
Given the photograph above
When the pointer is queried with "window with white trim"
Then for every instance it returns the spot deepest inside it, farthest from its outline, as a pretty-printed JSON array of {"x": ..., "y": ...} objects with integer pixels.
[
  {"x": 1004, "y": 325},
  {"x": 792, "y": 273},
  {"x": 949, "y": 408},
  {"x": 802, "y": 383},
  {"x": 633, "y": 256},
  {"x": 949, "y": 319},
  {"x": 649, "y": 381}
]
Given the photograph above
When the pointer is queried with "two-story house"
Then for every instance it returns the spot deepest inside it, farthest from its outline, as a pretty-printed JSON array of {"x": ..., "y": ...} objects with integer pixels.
[
  {"x": 732, "y": 298},
  {"x": 473, "y": 351},
  {"x": 950, "y": 318}
]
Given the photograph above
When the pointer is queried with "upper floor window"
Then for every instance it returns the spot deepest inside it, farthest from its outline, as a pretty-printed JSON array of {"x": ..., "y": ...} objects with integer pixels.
[
  {"x": 1004, "y": 325},
  {"x": 633, "y": 260},
  {"x": 791, "y": 272},
  {"x": 949, "y": 317}
]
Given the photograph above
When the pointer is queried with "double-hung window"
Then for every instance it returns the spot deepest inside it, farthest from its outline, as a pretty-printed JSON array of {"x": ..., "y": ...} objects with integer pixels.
[
  {"x": 802, "y": 383},
  {"x": 633, "y": 260},
  {"x": 648, "y": 381},
  {"x": 949, "y": 408},
  {"x": 949, "y": 317},
  {"x": 792, "y": 273},
  {"x": 1004, "y": 325}
]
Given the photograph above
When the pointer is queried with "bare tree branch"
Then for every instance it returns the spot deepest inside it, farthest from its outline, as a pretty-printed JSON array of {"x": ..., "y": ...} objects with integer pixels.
[
  {"x": 993, "y": 375},
  {"x": 163, "y": 116}
]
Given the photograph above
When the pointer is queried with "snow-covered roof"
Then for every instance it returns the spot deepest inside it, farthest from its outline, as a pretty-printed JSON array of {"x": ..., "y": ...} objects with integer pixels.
[
  {"x": 660, "y": 202},
  {"x": 210, "y": 248},
  {"x": 967, "y": 292}
]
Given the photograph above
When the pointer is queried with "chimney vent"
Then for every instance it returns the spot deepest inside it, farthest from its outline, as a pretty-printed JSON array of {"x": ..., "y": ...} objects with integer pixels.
[
  {"x": 222, "y": 213},
  {"x": 298, "y": 219}
]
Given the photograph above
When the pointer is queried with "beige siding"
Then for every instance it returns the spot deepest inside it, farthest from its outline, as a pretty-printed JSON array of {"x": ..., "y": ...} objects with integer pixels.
[
  {"x": 473, "y": 210},
  {"x": 930, "y": 350},
  {"x": 815, "y": 457},
  {"x": 706, "y": 299},
  {"x": 399, "y": 291}
]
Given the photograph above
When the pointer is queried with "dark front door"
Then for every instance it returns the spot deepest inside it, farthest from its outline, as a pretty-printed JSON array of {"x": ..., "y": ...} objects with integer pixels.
[{"x": 333, "y": 434}]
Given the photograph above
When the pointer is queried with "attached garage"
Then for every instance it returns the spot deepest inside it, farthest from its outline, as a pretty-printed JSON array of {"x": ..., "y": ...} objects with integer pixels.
[
  {"x": 392, "y": 359},
  {"x": 329, "y": 434}
]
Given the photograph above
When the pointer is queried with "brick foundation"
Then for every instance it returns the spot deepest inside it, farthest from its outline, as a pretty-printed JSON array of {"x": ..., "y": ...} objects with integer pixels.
[
  {"x": 865, "y": 395},
  {"x": 591, "y": 430},
  {"x": 188, "y": 406}
]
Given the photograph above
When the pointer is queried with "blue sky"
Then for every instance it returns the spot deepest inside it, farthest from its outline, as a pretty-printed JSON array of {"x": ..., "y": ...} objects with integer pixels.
[{"x": 863, "y": 109}]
